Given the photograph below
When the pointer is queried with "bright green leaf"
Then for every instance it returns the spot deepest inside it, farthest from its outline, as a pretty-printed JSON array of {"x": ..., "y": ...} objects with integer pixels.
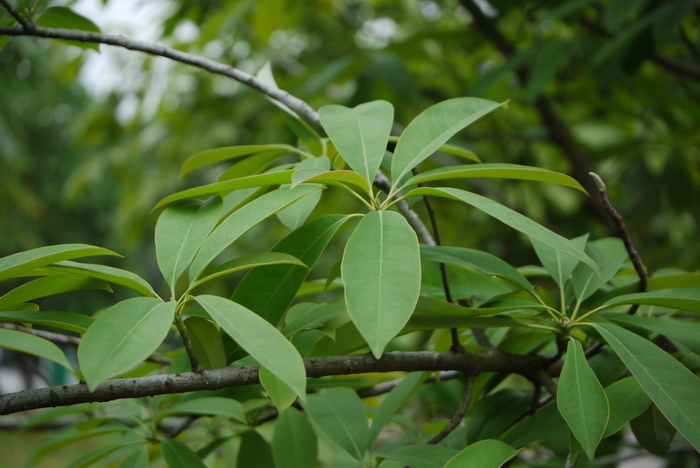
[
  {"x": 250, "y": 261},
  {"x": 280, "y": 393},
  {"x": 627, "y": 401},
  {"x": 260, "y": 339},
  {"x": 449, "y": 149},
  {"x": 178, "y": 455},
  {"x": 69, "y": 321},
  {"x": 294, "y": 443},
  {"x": 106, "y": 273},
  {"x": 487, "y": 453},
  {"x": 30, "y": 344},
  {"x": 581, "y": 399},
  {"x": 214, "y": 406},
  {"x": 48, "y": 286},
  {"x": 207, "y": 344},
  {"x": 213, "y": 156},
  {"x": 381, "y": 273},
  {"x": 123, "y": 336}
]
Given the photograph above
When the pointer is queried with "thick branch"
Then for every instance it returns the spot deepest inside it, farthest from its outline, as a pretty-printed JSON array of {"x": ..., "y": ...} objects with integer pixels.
[{"x": 470, "y": 364}]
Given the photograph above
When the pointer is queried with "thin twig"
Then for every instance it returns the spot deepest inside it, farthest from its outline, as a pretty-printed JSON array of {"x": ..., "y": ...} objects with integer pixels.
[
  {"x": 458, "y": 416},
  {"x": 184, "y": 334},
  {"x": 16, "y": 15}
]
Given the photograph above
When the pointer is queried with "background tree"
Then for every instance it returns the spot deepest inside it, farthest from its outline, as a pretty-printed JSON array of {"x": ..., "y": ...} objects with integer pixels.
[{"x": 604, "y": 86}]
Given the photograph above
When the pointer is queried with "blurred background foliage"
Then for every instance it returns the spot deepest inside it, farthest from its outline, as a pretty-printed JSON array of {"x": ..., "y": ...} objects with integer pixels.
[{"x": 605, "y": 86}]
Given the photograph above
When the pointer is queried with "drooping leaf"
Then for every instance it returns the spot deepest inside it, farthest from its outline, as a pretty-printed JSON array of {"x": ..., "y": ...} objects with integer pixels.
[
  {"x": 180, "y": 231},
  {"x": 215, "y": 406},
  {"x": 581, "y": 399},
  {"x": 511, "y": 218},
  {"x": 106, "y": 273},
  {"x": 69, "y": 321},
  {"x": 260, "y": 339},
  {"x": 360, "y": 134},
  {"x": 22, "y": 262},
  {"x": 123, "y": 336},
  {"x": 178, "y": 455},
  {"x": 206, "y": 341},
  {"x": 381, "y": 273},
  {"x": 48, "y": 286},
  {"x": 242, "y": 220},
  {"x": 498, "y": 171},
  {"x": 294, "y": 443},
  {"x": 255, "y": 452},
  {"x": 65, "y": 18},
  {"x": 627, "y": 401},
  {"x": 34, "y": 345},
  {"x": 420, "y": 456},
  {"x": 269, "y": 290},
  {"x": 340, "y": 414},
  {"x": 487, "y": 453},
  {"x": 670, "y": 385},
  {"x": 213, "y": 156},
  {"x": 432, "y": 128},
  {"x": 280, "y": 393},
  {"x": 391, "y": 403}
]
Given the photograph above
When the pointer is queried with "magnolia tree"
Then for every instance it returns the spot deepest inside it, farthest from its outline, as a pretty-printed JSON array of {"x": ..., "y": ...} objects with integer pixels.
[{"x": 550, "y": 363}]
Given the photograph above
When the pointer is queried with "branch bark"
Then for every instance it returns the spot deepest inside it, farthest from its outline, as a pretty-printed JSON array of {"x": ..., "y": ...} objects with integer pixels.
[{"x": 469, "y": 364}]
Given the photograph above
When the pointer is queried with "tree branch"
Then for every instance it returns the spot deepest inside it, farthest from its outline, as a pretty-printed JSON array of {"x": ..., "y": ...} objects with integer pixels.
[
  {"x": 16, "y": 15},
  {"x": 458, "y": 416},
  {"x": 470, "y": 364}
]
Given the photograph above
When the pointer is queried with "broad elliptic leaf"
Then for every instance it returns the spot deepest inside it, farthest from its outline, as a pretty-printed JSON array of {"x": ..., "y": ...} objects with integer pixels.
[
  {"x": 214, "y": 406},
  {"x": 260, "y": 339},
  {"x": 269, "y": 290},
  {"x": 487, "y": 453},
  {"x": 179, "y": 455},
  {"x": 113, "y": 275},
  {"x": 420, "y": 456},
  {"x": 360, "y": 134},
  {"x": 497, "y": 171},
  {"x": 581, "y": 399},
  {"x": 340, "y": 414},
  {"x": 511, "y": 218},
  {"x": 213, "y": 156},
  {"x": 393, "y": 400},
  {"x": 242, "y": 220},
  {"x": 294, "y": 443},
  {"x": 282, "y": 396},
  {"x": 65, "y": 18},
  {"x": 30, "y": 344},
  {"x": 123, "y": 336},
  {"x": 670, "y": 385},
  {"x": 207, "y": 344},
  {"x": 433, "y": 127},
  {"x": 180, "y": 231},
  {"x": 48, "y": 286},
  {"x": 22, "y": 262},
  {"x": 627, "y": 401},
  {"x": 381, "y": 272}
]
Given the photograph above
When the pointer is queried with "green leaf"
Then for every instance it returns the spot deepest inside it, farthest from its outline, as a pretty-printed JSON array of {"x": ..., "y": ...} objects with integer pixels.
[
  {"x": 7, "y": 23},
  {"x": 249, "y": 261},
  {"x": 495, "y": 413},
  {"x": 581, "y": 399},
  {"x": 487, "y": 453},
  {"x": 381, "y": 273},
  {"x": 21, "y": 262},
  {"x": 69, "y": 321},
  {"x": 65, "y": 18},
  {"x": 653, "y": 431},
  {"x": 360, "y": 134},
  {"x": 340, "y": 414},
  {"x": 179, "y": 455},
  {"x": 420, "y": 456},
  {"x": 627, "y": 401},
  {"x": 214, "y": 406},
  {"x": 260, "y": 339},
  {"x": 106, "y": 273},
  {"x": 558, "y": 265},
  {"x": 294, "y": 443},
  {"x": 269, "y": 290},
  {"x": 206, "y": 342},
  {"x": 683, "y": 331},
  {"x": 609, "y": 254},
  {"x": 123, "y": 336},
  {"x": 511, "y": 218},
  {"x": 180, "y": 231},
  {"x": 545, "y": 421},
  {"x": 254, "y": 452},
  {"x": 307, "y": 315},
  {"x": 670, "y": 385},
  {"x": 258, "y": 180},
  {"x": 250, "y": 165},
  {"x": 677, "y": 299},
  {"x": 295, "y": 215},
  {"x": 449, "y": 149},
  {"x": 393, "y": 400},
  {"x": 30, "y": 344},
  {"x": 48, "y": 286},
  {"x": 339, "y": 178},
  {"x": 432, "y": 128},
  {"x": 138, "y": 459},
  {"x": 242, "y": 220},
  {"x": 498, "y": 171},
  {"x": 213, "y": 156},
  {"x": 280, "y": 393},
  {"x": 482, "y": 261},
  {"x": 92, "y": 457}
]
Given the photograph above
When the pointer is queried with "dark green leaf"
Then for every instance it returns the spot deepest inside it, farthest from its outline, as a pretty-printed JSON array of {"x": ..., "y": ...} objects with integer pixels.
[
  {"x": 179, "y": 455},
  {"x": 294, "y": 443}
]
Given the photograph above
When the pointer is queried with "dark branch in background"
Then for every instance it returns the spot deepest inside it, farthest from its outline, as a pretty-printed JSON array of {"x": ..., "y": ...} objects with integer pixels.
[
  {"x": 557, "y": 128},
  {"x": 458, "y": 416},
  {"x": 16, "y": 15},
  {"x": 469, "y": 364},
  {"x": 68, "y": 340}
]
